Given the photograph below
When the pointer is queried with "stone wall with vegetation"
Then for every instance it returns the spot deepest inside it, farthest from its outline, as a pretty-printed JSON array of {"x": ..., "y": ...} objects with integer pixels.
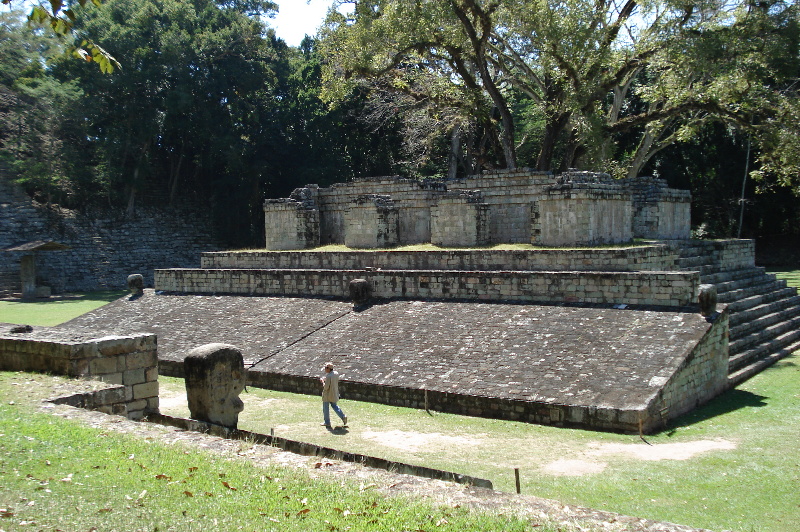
[
  {"x": 130, "y": 362},
  {"x": 104, "y": 248}
]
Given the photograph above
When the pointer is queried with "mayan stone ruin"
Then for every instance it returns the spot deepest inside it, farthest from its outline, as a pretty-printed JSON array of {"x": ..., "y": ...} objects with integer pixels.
[
  {"x": 518, "y": 206},
  {"x": 614, "y": 320},
  {"x": 600, "y": 325}
]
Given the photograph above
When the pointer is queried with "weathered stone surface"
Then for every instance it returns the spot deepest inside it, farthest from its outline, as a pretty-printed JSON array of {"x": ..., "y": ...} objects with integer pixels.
[
  {"x": 113, "y": 245},
  {"x": 504, "y": 360},
  {"x": 360, "y": 291},
  {"x": 215, "y": 377},
  {"x": 136, "y": 284},
  {"x": 504, "y": 210},
  {"x": 707, "y": 299}
]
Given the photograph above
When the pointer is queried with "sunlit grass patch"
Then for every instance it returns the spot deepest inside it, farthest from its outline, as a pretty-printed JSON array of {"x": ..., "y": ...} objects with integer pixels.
[{"x": 54, "y": 310}]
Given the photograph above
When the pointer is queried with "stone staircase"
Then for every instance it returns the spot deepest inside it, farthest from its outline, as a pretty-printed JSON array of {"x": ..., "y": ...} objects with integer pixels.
[
  {"x": 764, "y": 312},
  {"x": 9, "y": 284}
]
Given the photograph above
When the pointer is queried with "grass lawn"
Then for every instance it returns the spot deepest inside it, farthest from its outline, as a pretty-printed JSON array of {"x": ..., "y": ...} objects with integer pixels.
[
  {"x": 54, "y": 310},
  {"x": 792, "y": 277},
  {"x": 733, "y": 464},
  {"x": 58, "y": 474}
]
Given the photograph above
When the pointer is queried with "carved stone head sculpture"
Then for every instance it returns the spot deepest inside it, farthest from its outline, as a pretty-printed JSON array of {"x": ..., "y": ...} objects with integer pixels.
[{"x": 215, "y": 376}]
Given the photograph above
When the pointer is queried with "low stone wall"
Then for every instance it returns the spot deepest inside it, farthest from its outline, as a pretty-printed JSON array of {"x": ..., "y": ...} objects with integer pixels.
[
  {"x": 701, "y": 376},
  {"x": 674, "y": 289},
  {"x": 640, "y": 258},
  {"x": 732, "y": 254},
  {"x": 131, "y": 362}
]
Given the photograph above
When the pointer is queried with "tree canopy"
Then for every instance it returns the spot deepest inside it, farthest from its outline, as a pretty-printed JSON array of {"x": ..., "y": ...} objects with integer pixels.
[
  {"x": 207, "y": 106},
  {"x": 577, "y": 83}
]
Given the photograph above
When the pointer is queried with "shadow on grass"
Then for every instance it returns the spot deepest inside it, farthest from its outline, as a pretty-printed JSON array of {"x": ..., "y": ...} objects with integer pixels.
[{"x": 728, "y": 402}]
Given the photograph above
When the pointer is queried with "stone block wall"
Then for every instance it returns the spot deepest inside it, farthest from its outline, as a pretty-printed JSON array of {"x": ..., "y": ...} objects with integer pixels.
[
  {"x": 104, "y": 248},
  {"x": 128, "y": 361},
  {"x": 521, "y": 206},
  {"x": 673, "y": 289},
  {"x": 413, "y": 200},
  {"x": 579, "y": 215},
  {"x": 637, "y": 258},
  {"x": 659, "y": 212},
  {"x": 372, "y": 222},
  {"x": 701, "y": 376},
  {"x": 290, "y": 224},
  {"x": 509, "y": 194},
  {"x": 460, "y": 220}
]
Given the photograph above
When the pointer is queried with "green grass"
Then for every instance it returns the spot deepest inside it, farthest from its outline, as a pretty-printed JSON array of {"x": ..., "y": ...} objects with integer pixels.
[
  {"x": 792, "y": 277},
  {"x": 54, "y": 310},
  {"x": 57, "y": 474},
  {"x": 749, "y": 483}
]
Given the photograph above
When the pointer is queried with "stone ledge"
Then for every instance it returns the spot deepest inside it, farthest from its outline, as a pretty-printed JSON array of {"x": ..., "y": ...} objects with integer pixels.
[{"x": 129, "y": 364}]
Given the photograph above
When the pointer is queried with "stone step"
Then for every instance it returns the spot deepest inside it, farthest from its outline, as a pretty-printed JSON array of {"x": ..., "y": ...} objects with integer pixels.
[
  {"x": 763, "y": 335},
  {"x": 743, "y": 329},
  {"x": 732, "y": 275},
  {"x": 752, "y": 290},
  {"x": 737, "y": 284},
  {"x": 695, "y": 261},
  {"x": 746, "y": 365},
  {"x": 759, "y": 299},
  {"x": 747, "y": 314}
]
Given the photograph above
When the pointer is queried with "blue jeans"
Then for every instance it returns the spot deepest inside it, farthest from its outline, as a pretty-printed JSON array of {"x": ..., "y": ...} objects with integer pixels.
[{"x": 326, "y": 415}]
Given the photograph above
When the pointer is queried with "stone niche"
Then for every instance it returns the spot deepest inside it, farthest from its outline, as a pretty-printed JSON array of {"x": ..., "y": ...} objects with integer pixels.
[
  {"x": 293, "y": 222},
  {"x": 586, "y": 210},
  {"x": 372, "y": 221},
  {"x": 460, "y": 219}
]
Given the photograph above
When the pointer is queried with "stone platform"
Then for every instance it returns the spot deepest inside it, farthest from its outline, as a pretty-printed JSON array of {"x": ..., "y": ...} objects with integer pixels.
[{"x": 594, "y": 366}]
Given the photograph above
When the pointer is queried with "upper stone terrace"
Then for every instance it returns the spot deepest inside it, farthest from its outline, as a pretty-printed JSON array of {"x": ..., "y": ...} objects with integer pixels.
[{"x": 510, "y": 206}]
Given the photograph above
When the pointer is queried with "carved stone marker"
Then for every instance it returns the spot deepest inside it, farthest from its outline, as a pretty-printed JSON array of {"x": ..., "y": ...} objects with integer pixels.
[
  {"x": 136, "y": 284},
  {"x": 707, "y": 298},
  {"x": 214, "y": 375},
  {"x": 360, "y": 292}
]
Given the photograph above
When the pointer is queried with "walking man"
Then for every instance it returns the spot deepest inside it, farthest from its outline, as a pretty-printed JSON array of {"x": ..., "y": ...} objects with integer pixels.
[{"x": 330, "y": 395}]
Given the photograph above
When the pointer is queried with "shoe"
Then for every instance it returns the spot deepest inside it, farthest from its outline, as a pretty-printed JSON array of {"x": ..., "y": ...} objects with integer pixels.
[
  {"x": 325, "y": 425},
  {"x": 344, "y": 420}
]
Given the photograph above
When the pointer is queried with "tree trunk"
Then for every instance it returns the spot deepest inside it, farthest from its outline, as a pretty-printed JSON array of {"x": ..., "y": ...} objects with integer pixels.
[
  {"x": 552, "y": 130},
  {"x": 455, "y": 148}
]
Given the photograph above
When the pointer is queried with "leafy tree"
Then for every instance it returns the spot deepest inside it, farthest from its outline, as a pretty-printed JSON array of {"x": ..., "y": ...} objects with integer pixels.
[
  {"x": 594, "y": 81},
  {"x": 60, "y": 18}
]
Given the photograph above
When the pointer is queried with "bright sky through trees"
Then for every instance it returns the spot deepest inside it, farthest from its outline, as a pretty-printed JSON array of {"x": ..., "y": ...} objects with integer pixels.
[{"x": 298, "y": 18}]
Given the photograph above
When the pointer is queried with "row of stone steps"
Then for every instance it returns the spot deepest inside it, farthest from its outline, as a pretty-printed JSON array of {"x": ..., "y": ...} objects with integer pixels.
[
  {"x": 9, "y": 284},
  {"x": 764, "y": 313}
]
